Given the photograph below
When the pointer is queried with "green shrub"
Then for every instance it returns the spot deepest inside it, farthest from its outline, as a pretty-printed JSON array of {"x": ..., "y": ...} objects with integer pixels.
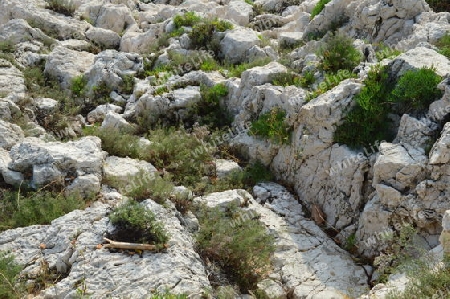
[
  {"x": 20, "y": 210},
  {"x": 189, "y": 19},
  {"x": 243, "y": 251},
  {"x": 439, "y": 5},
  {"x": 272, "y": 126},
  {"x": 330, "y": 81},
  {"x": 246, "y": 178},
  {"x": 78, "y": 86},
  {"x": 286, "y": 79},
  {"x": 135, "y": 223},
  {"x": 168, "y": 295},
  {"x": 161, "y": 90},
  {"x": 127, "y": 85},
  {"x": 338, "y": 53},
  {"x": 144, "y": 187},
  {"x": 444, "y": 45},
  {"x": 318, "y": 8},
  {"x": 416, "y": 90},
  {"x": 202, "y": 34},
  {"x": 7, "y": 47},
  {"x": 9, "y": 273},
  {"x": 210, "y": 64},
  {"x": 398, "y": 253},
  {"x": 368, "y": 120},
  {"x": 117, "y": 142},
  {"x": 65, "y": 7},
  {"x": 208, "y": 111},
  {"x": 237, "y": 70},
  {"x": 292, "y": 79},
  {"x": 382, "y": 51},
  {"x": 425, "y": 282},
  {"x": 172, "y": 150}
]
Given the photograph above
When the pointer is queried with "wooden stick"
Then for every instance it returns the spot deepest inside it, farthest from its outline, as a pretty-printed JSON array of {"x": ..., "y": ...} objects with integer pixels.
[{"x": 126, "y": 245}]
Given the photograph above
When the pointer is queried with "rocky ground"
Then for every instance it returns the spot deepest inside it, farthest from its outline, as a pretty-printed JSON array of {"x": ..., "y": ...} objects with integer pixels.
[{"x": 126, "y": 63}]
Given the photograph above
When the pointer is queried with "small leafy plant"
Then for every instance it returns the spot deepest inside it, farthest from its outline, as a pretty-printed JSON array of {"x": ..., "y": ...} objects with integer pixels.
[
  {"x": 243, "y": 251},
  {"x": 65, "y": 7},
  {"x": 24, "y": 209},
  {"x": 444, "y": 45},
  {"x": 9, "y": 274},
  {"x": 78, "y": 86},
  {"x": 135, "y": 223},
  {"x": 318, "y": 8},
  {"x": 368, "y": 120},
  {"x": 189, "y": 19},
  {"x": 208, "y": 111},
  {"x": 272, "y": 126},
  {"x": 338, "y": 53},
  {"x": 416, "y": 90}
]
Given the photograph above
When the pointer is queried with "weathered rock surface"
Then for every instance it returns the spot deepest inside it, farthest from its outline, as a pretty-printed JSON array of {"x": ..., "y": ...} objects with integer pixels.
[
  {"x": 58, "y": 163},
  {"x": 236, "y": 43},
  {"x": 12, "y": 84},
  {"x": 65, "y": 64},
  {"x": 122, "y": 172},
  {"x": 70, "y": 245},
  {"x": 307, "y": 263}
]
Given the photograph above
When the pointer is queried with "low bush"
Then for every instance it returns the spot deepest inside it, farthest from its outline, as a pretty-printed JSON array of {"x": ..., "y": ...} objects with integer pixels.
[
  {"x": 202, "y": 34},
  {"x": 157, "y": 188},
  {"x": 330, "y": 81},
  {"x": 338, "y": 53},
  {"x": 127, "y": 85},
  {"x": 400, "y": 251},
  {"x": 78, "y": 86},
  {"x": 246, "y": 178},
  {"x": 7, "y": 47},
  {"x": 208, "y": 111},
  {"x": 425, "y": 282},
  {"x": 439, "y": 5},
  {"x": 24, "y": 209},
  {"x": 292, "y": 79},
  {"x": 65, "y": 7},
  {"x": 168, "y": 295},
  {"x": 383, "y": 51},
  {"x": 416, "y": 90},
  {"x": 272, "y": 126},
  {"x": 10, "y": 288},
  {"x": 173, "y": 150},
  {"x": 368, "y": 120},
  {"x": 444, "y": 45},
  {"x": 242, "y": 251},
  {"x": 117, "y": 142},
  {"x": 237, "y": 70},
  {"x": 133, "y": 222},
  {"x": 318, "y": 8},
  {"x": 188, "y": 19}
]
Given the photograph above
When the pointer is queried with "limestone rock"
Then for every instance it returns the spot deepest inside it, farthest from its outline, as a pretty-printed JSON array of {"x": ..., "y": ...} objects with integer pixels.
[
  {"x": 225, "y": 167},
  {"x": 12, "y": 84},
  {"x": 115, "y": 121},
  {"x": 420, "y": 57},
  {"x": 65, "y": 64},
  {"x": 239, "y": 12},
  {"x": 110, "y": 65},
  {"x": 57, "y": 162},
  {"x": 105, "y": 38},
  {"x": 440, "y": 153},
  {"x": 10, "y": 134},
  {"x": 236, "y": 43},
  {"x": 179, "y": 269},
  {"x": 121, "y": 172},
  {"x": 114, "y": 17},
  {"x": 99, "y": 113}
]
